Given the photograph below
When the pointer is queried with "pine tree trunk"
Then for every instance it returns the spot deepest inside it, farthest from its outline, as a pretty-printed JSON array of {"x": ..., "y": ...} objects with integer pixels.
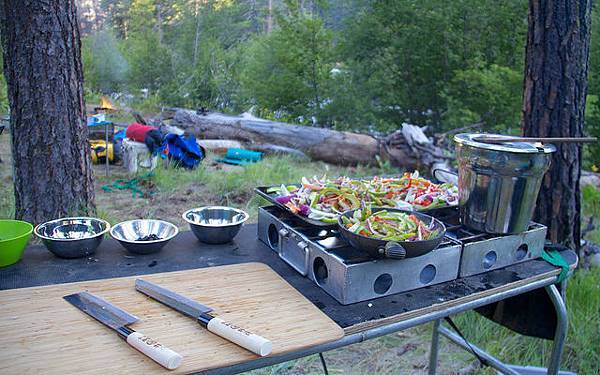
[
  {"x": 555, "y": 89},
  {"x": 42, "y": 66}
]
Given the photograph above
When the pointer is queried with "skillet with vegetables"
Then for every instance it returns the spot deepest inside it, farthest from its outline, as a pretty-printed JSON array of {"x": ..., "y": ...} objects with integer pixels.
[
  {"x": 324, "y": 199},
  {"x": 390, "y": 232}
]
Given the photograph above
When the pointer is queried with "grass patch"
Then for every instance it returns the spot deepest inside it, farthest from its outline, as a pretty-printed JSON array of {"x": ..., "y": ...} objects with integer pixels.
[
  {"x": 234, "y": 186},
  {"x": 582, "y": 352},
  {"x": 590, "y": 207}
]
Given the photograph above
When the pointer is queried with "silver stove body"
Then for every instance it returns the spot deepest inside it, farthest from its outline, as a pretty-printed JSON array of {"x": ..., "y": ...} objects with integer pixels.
[{"x": 350, "y": 276}]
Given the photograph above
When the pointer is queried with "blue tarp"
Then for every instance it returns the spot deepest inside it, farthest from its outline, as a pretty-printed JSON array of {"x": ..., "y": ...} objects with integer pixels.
[{"x": 185, "y": 151}]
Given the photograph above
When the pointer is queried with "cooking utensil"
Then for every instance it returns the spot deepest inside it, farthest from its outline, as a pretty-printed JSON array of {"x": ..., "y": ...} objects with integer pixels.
[
  {"x": 506, "y": 139},
  {"x": 131, "y": 234},
  {"x": 118, "y": 320},
  {"x": 378, "y": 248},
  {"x": 215, "y": 224},
  {"x": 14, "y": 235},
  {"x": 499, "y": 183},
  {"x": 200, "y": 312},
  {"x": 72, "y": 237},
  {"x": 262, "y": 191}
]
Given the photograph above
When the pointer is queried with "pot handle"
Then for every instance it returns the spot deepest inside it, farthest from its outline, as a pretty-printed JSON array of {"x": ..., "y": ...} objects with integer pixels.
[
  {"x": 394, "y": 250},
  {"x": 438, "y": 174}
]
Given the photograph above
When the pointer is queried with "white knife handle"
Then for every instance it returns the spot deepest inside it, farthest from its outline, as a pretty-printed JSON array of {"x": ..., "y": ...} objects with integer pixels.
[
  {"x": 153, "y": 349},
  {"x": 247, "y": 340}
]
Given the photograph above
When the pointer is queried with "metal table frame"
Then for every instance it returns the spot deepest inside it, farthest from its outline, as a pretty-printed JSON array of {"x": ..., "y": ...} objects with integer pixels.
[{"x": 435, "y": 317}]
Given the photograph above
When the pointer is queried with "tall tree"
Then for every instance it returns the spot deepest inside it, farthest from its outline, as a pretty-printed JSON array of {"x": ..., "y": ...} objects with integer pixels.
[
  {"x": 42, "y": 66},
  {"x": 555, "y": 88}
]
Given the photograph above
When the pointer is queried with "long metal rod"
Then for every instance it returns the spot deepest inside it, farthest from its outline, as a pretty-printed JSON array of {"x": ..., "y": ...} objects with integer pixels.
[
  {"x": 106, "y": 145},
  {"x": 561, "y": 328},
  {"x": 488, "y": 139},
  {"x": 492, "y": 361},
  {"x": 433, "y": 352},
  {"x": 383, "y": 330}
]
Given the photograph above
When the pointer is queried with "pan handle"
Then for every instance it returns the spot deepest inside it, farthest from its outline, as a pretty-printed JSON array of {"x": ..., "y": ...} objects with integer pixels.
[
  {"x": 441, "y": 175},
  {"x": 394, "y": 250}
]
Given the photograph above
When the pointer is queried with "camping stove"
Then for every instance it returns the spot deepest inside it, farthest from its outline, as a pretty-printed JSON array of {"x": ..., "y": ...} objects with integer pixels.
[{"x": 350, "y": 275}]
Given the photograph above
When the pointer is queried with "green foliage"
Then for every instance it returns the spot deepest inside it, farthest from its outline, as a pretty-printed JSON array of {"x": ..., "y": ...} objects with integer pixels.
[
  {"x": 357, "y": 65},
  {"x": 592, "y": 116},
  {"x": 583, "y": 304},
  {"x": 491, "y": 95},
  {"x": 104, "y": 65},
  {"x": 288, "y": 70}
]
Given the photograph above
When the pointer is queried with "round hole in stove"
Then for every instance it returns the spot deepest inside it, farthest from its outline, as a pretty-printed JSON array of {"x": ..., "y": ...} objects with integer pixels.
[
  {"x": 427, "y": 274},
  {"x": 273, "y": 236},
  {"x": 320, "y": 270},
  {"x": 489, "y": 259},
  {"x": 521, "y": 252},
  {"x": 383, "y": 283}
]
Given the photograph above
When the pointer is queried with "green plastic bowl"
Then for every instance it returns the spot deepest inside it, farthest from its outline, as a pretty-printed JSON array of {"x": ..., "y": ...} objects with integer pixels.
[{"x": 14, "y": 235}]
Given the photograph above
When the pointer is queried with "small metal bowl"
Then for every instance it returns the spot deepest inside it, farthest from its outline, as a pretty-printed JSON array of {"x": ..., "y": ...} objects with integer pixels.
[
  {"x": 72, "y": 237},
  {"x": 215, "y": 224},
  {"x": 128, "y": 233}
]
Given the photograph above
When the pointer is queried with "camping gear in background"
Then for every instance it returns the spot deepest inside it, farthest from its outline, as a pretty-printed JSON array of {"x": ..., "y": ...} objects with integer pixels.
[
  {"x": 72, "y": 237},
  {"x": 239, "y": 156},
  {"x": 183, "y": 151},
  {"x": 499, "y": 183},
  {"x": 14, "y": 235},
  {"x": 135, "y": 153},
  {"x": 99, "y": 151},
  {"x": 132, "y": 185},
  {"x": 146, "y": 134},
  {"x": 109, "y": 129}
]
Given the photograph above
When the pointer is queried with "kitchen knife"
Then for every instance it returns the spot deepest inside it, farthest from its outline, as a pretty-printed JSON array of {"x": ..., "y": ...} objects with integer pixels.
[
  {"x": 118, "y": 320},
  {"x": 200, "y": 312}
]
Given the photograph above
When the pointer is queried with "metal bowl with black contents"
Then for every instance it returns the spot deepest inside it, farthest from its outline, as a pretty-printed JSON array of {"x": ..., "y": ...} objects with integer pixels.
[
  {"x": 378, "y": 248},
  {"x": 72, "y": 237},
  {"x": 215, "y": 224},
  {"x": 144, "y": 236}
]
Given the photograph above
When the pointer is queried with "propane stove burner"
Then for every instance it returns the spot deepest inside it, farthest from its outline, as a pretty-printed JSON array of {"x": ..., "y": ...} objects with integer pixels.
[{"x": 351, "y": 275}]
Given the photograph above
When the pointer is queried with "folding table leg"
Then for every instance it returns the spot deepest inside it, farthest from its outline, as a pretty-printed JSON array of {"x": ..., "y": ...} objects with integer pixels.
[
  {"x": 561, "y": 328},
  {"x": 433, "y": 353}
]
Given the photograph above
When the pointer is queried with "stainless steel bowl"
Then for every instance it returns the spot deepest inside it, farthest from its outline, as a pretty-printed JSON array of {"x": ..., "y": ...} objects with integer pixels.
[
  {"x": 215, "y": 224},
  {"x": 129, "y": 233},
  {"x": 72, "y": 237}
]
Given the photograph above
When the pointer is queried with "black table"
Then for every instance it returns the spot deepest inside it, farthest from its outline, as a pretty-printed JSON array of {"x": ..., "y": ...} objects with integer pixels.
[{"x": 360, "y": 321}]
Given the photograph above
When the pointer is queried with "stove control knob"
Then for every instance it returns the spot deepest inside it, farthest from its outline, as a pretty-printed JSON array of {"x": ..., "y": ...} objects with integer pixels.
[
  {"x": 303, "y": 245},
  {"x": 284, "y": 232}
]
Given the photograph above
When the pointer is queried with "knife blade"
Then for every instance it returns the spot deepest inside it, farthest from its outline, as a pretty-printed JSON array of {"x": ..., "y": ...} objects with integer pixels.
[
  {"x": 201, "y": 313},
  {"x": 118, "y": 319}
]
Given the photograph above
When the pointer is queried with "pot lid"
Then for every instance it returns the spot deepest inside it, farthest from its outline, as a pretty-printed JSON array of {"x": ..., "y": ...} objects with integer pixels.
[{"x": 471, "y": 139}]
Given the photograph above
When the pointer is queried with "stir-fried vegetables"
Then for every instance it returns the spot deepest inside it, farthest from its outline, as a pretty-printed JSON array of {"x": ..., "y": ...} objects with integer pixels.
[
  {"x": 389, "y": 226},
  {"x": 324, "y": 199}
]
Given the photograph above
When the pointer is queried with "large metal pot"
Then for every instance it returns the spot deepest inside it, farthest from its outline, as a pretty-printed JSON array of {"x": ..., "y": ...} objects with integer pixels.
[{"x": 499, "y": 183}]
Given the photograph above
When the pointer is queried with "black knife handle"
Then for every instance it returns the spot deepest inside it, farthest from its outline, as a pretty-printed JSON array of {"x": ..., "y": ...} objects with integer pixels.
[
  {"x": 124, "y": 332},
  {"x": 204, "y": 318}
]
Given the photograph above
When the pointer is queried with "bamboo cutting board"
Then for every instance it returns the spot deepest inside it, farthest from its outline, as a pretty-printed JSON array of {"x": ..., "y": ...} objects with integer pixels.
[{"x": 43, "y": 333}]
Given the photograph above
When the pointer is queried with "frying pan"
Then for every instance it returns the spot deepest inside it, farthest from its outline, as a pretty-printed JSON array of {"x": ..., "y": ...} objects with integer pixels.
[{"x": 393, "y": 249}]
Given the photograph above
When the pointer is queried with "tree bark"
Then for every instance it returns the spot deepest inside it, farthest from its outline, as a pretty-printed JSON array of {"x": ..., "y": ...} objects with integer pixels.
[
  {"x": 42, "y": 66},
  {"x": 407, "y": 148},
  {"x": 555, "y": 88}
]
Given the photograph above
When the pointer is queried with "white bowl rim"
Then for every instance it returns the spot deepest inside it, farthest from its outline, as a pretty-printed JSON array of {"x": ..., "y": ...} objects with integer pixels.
[
  {"x": 246, "y": 216},
  {"x": 112, "y": 234},
  {"x": 36, "y": 232}
]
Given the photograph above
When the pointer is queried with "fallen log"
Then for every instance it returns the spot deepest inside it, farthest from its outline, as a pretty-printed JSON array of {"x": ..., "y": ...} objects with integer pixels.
[{"x": 407, "y": 148}]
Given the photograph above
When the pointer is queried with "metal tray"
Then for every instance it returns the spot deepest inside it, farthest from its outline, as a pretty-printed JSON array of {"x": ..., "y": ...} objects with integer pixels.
[{"x": 262, "y": 191}]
